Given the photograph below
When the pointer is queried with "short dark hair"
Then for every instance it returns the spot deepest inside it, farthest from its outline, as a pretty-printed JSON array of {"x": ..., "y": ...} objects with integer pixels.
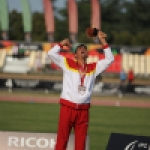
[{"x": 80, "y": 45}]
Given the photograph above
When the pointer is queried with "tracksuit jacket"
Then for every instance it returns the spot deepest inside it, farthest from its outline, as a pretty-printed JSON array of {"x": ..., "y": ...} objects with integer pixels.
[{"x": 71, "y": 77}]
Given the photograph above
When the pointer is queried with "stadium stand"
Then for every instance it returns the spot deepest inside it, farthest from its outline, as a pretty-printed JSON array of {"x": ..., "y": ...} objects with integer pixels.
[
  {"x": 131, "y": 61},
  {"x": 139, "y": 63},
  {"x": 136, "y": 64},
  {"x": 125, "y": 62},
  {"x": 37, "y": 61},
  {"x": 147, "y": 64},
  {"x": 2, "y": 58},
  {"x": 142, "y": 65},
  {"x": 44, "y": 54},
  {"x": 32, "y": 59}
]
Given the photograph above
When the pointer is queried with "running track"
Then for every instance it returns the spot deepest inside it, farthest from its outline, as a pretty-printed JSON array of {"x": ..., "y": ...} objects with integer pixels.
[{"x": 94, "y": 102}]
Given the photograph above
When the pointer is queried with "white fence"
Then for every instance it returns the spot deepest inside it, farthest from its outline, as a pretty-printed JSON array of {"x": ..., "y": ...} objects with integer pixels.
[{"x": 139, "y": 63}]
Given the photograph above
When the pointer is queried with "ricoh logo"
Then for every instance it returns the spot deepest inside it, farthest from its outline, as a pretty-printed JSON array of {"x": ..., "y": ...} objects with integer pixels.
[
  {"x": 140, "y": 145},
  {"x": 30, "y": 142}
]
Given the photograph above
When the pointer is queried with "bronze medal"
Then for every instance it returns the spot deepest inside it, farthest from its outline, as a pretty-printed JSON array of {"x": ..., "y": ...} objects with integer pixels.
[{"x": 81, "y": 89}]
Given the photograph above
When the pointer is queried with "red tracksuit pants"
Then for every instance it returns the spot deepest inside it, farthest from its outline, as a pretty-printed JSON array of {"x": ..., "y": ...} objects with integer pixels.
[{"x": 72, "y": 118}]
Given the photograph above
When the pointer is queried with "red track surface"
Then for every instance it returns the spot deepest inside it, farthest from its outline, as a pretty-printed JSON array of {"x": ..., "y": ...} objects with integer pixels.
[{"x": 55, "y": 100}]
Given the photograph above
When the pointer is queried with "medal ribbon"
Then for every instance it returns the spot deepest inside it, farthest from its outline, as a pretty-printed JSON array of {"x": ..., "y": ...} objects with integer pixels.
[{"x": 82, "y": 73}]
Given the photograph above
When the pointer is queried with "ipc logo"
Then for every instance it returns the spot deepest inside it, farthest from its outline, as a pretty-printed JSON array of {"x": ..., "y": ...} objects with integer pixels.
[{"x": 139, "y": 145}]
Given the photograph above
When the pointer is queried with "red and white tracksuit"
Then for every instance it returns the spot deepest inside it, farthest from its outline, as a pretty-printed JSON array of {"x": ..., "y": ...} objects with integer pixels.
[{"x": 74, "y": 106}]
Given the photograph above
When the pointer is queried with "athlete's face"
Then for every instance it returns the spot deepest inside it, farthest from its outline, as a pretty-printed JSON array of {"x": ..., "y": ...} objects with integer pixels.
[{"x": 81, "y": 53}]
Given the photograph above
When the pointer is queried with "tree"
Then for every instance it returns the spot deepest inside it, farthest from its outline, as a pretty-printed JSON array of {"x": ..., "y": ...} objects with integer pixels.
[
  {"x": 16, "y": 26},
  {"x": 125, "y": 22},
  {"x": 122, "y": 38},
  {"x": 61, "y": 25},
  {"x": 112, "y": 17},
  {"x": 142, "y": 38},
  {"x": 39, "y": 30},
  {"x": 137, "y": 15}
]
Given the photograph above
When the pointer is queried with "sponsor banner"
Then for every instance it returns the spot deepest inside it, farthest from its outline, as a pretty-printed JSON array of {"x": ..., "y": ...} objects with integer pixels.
[
  {"x": 30, "y": 46},
  {"x": 47, "y": 46},
  {"x": 6, "y": 45},
  {"x": 116, "y": 66},
  {"x": 34, "y": 141},
  {"x": 134, "y": 49},
  {"x": 147, "y": 52},
  {"x": 119, "y": 141}
]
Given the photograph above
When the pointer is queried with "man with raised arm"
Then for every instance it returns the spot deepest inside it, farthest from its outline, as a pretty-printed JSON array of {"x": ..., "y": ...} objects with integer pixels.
[{"x": 78, "y": 82}]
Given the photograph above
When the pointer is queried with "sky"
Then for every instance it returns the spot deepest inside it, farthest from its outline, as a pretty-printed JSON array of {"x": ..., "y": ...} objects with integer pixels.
[{"x": 36, "y": 5}]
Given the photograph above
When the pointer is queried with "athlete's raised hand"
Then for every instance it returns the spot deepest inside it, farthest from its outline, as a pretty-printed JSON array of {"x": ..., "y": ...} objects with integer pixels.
[
  {"x": 65, "y": 43},
  {"x": 101, "y": 35}
]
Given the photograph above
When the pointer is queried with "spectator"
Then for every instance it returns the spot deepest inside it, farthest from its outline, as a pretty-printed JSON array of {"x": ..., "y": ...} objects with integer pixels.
[
  {"x": 130, "y": 76},
  {"x": 123, "y": 78},
  {"x": 130, "y": 80}
]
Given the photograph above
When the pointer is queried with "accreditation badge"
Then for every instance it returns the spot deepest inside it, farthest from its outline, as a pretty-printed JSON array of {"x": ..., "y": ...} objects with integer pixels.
[{"x": 81, "y": 89}]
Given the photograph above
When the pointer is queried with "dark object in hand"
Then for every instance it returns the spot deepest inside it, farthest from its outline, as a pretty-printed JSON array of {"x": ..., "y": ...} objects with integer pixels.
[{"x": 92, "y": 32}]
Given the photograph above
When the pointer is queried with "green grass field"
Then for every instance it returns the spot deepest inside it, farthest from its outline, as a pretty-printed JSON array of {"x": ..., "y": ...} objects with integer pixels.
[{"x": 37, "y": 117}]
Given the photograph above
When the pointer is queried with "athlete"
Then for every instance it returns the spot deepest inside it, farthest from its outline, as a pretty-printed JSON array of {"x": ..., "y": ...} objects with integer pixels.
[{"x": 78, "y": 82}]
